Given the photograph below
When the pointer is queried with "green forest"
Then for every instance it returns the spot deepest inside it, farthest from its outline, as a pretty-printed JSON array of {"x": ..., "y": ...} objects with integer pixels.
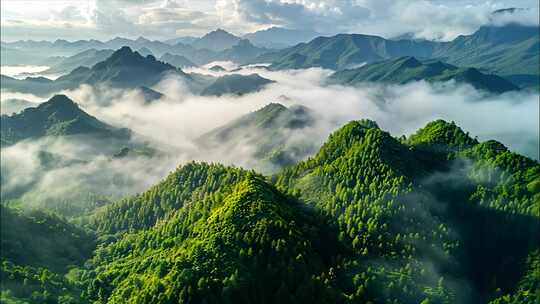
[{"x": 435, "y": 217}]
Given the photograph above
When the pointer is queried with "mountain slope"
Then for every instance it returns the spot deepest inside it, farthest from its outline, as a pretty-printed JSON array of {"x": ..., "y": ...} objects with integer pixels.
[
  {"x": 243, "y": 242},
  {"x": 511, "y": 51},
  {"x": 86, "y": 58},
  {"x": 407, "y": 69},
  {"x": 37, "y": 249},
  {"x": 217, "y": 40},
  {"x": 59, "y": 116},
  {"x": 123, "y": 69},
  {"x": 433, "y": 193},
  {"x": 177, "y": 60},
  {"x": 267, "y": 135},
  {"x": 127, "y": 69},
  {"x": 343, "y": 51}
]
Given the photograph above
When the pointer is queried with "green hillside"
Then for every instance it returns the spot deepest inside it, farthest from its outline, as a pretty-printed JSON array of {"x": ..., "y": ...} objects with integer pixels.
[
  {"x": 407, "y": 69},
  {"x": 241, "y": 242},
  {"x": 345, "y": 50},
  {"x": 510, "y": 51},
  {"x": 437, "y": 217},
  {"x": 38, "y": 251},
  {"x": 59, "y": 116}
]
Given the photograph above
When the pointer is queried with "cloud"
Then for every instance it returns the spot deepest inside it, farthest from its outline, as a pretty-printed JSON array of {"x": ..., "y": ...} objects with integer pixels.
[
  {"x": 439, "y": 20},
  {"x": 161, "y": 19},
  {"x": 172, "y": 124}
]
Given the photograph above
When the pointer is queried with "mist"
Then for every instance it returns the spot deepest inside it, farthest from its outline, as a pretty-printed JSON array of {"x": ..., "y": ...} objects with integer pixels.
[
  {"x": 511, "y": 118},
  {"x": 172, "y": 125}
]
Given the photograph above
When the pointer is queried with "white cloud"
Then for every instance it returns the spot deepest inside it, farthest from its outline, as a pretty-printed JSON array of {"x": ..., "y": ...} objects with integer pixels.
[{"x": 161, "y": 19}]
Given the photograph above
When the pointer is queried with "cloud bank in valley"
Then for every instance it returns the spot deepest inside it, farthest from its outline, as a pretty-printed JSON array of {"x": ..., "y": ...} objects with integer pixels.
[{"x": 173, "y": 123}]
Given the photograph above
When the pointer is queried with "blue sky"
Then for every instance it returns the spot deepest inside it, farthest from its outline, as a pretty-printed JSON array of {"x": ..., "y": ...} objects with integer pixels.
[{"x": 163, "y": 19}]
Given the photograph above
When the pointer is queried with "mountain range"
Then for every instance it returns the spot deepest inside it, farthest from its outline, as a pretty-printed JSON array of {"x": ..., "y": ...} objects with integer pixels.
[
  {"x": 419, "y": 216},
  {"x": 91, "y": 212},
  {"x": 128, "y": 69},
  {"x": 510, "y": 51},
  {"x": 408, "y": 69}
]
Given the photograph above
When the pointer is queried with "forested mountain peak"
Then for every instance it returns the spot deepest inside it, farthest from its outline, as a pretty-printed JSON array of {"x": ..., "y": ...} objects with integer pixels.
[
  {"x": 56, "y": 117},
  {"x": 180, "y": 188},
  {"x": 442, "y": 133},
  {"x": 221, "y": 245}
]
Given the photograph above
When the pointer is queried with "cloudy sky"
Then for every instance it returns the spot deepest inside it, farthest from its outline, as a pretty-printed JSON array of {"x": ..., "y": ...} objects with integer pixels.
[{"x": 163, "y": 19}]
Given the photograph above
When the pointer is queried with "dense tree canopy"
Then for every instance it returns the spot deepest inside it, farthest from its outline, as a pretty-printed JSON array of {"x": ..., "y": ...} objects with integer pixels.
[{"x": 434, "y": 218}]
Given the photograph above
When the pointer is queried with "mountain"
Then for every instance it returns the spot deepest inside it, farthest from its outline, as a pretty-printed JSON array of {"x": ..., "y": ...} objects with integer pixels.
[
  {"x": 267, "y": 132},
  {"x": 370, "y": 220},
  {"x": 217, "y": 40},
  {"x": 123, "y": 69},
  {"x": 428, "y": 191},
  {"x": 34, "y": 85},
  {"x": 59, "y": 116},
  {"x": 230, "y": 247},
  {"x": 510, "y": 51},
  {"x": 435, "y": 217},
  {"x": 14, "y": 105},
  {"x": 215, "y": 46},
  {"x": 157, "y": 48},
  {"x": 236, "y": 84},
  {"x": 86, "y": 58},
  {"x": 38, "y": 250},
  {"x": 343, "y": 51},
  {"x": 407, "y": 69},
  {"x": 127, "y": 69},
  {"x": 278, "y": 37},
  {"x": 242, "y": 52},
  {"x": 177, "y": 61}
]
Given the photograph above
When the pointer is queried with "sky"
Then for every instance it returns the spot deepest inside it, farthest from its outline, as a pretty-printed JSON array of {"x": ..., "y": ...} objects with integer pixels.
[{"x": 165, "y": 19}]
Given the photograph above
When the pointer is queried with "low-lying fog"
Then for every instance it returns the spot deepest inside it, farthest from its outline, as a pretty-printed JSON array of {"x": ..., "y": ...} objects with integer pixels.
[{"x": 172, "y": 123}]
